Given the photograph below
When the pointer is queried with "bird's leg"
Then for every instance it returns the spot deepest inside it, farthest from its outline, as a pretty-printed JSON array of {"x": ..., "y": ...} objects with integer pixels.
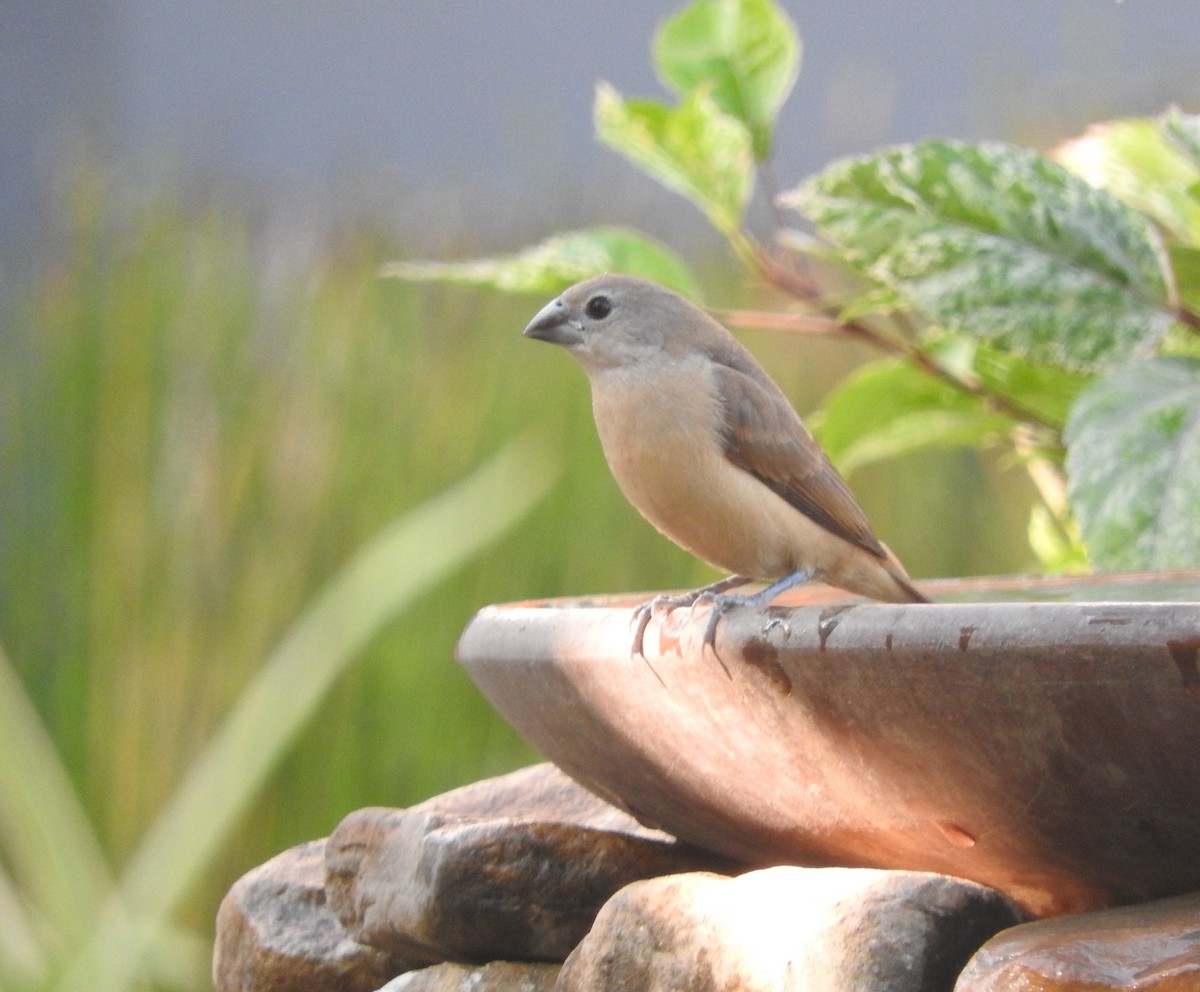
[
  {"x": 643, "y": 614},
  {"x": 722, "y": 602}
]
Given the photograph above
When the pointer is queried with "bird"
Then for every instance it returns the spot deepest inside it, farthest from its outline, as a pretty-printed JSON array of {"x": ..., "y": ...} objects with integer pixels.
[{"x": 708, "y": 449}]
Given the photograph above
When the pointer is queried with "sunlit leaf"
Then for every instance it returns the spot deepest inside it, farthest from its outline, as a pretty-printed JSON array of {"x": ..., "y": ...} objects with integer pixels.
[
  {"x": 746, "y": 51},
  {"x": 1133, "y": 465},
  {"x": 695, "y": 149},
  {"x": 891, "y": 408},
  {"x": 1057, "y": 547},
  {"x": 1137, "y": 162},
  {"x": 1000, "y": 244},
  {"x": 1045, "y": 390},
  {"x": 560, "y": 261}
]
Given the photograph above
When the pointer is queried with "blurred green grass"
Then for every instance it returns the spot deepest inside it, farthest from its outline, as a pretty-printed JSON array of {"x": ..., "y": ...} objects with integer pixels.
[{"x": 202, "y": 416}]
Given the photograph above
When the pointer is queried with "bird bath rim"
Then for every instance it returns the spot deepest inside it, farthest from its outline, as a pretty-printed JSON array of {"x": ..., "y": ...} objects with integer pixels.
[{"x": 1039, "y": 747}]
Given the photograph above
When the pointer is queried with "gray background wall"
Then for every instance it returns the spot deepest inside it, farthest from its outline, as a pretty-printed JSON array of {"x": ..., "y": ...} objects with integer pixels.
[{"x": 470, "y": 105}]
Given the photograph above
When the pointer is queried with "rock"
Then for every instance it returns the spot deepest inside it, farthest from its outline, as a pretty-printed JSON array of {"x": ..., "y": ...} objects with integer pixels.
[
  {"x": 498, "y": 976},
  {"x": 1154, "y": 947},
  {"x": 275, "y": 934},
  {"x": 511, "y": 868},
  {"x": 785, "y": 929}
]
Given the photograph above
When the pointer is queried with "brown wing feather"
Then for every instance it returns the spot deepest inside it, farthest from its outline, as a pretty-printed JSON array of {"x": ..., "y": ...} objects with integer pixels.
[{"x": 763, "y": 435}]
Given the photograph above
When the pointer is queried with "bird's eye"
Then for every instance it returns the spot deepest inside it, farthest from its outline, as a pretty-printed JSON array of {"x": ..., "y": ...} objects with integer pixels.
[{"x": 598, "y": 307}]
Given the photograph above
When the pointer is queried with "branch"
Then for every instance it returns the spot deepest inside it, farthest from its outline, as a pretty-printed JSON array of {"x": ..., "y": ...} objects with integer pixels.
[
  {"x": 1186, "y": 316},
  {"x": 798, "y": 285},
  {"x": 774, "y": 320}
]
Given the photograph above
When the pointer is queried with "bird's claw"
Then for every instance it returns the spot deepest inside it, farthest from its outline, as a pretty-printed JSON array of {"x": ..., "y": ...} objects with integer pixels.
[
  {"x": 642, "y": 615},
  {"x": 720, "y": 604},
  {"x": 714, "y": 594},
  {"x": 721, "y": 600}
]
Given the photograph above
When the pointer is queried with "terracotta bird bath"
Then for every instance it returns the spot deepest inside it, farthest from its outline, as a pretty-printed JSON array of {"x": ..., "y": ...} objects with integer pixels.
[{"x": 1048, "y": 746}]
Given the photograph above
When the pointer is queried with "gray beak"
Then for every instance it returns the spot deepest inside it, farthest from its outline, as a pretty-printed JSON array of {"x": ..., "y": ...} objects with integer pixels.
[{"x": 553, "y": 323}]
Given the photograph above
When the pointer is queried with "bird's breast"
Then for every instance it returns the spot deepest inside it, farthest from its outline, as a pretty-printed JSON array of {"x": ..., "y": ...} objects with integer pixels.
[
  {"x": 659, "y": 433},
  {"x": 661, "y": 439}
]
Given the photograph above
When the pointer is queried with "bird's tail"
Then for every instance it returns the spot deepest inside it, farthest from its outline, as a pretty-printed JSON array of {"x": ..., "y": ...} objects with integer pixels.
[{"x": 904, "y": 590}]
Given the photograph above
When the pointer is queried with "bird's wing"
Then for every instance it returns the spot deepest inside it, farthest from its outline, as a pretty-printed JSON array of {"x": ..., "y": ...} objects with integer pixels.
[{"x": 763, "y": 435}]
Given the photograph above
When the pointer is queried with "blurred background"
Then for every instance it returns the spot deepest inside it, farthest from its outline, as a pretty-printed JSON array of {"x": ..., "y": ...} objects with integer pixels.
[{"x": 209, "y": 400}]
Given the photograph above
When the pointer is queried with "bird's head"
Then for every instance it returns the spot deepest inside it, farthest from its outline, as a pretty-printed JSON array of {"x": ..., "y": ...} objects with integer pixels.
[{"x": 613, "y": 321}]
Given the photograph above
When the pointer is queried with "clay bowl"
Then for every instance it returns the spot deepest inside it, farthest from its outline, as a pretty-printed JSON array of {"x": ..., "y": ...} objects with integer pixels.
[{"x": 1050, "y": 749}]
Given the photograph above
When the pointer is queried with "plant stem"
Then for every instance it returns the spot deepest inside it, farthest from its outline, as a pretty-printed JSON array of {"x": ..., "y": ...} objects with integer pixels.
[
  {"x": 801, "y": 287},
  {"x": 776, "y": 321},
  {"x": 1189, "y": 318},
  {"x": 1047, "y": 477}
]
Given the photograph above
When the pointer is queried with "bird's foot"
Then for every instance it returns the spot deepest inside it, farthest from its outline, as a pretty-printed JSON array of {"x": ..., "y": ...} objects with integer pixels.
[
  {"x": 722, "y": 602},
  {"x": 642, "y": 615}
]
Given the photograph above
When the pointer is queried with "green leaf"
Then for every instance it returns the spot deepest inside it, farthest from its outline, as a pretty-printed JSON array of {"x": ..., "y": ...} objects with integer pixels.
[
  {"x": 1046, "y": 390},
  {"x": 1186, "y": 263},
  {"x": 560, "y": 261},
  {"x": 1057, "y": 547},
  {"x": 877, "y": 299},
  {"x": 1137, "y": 161},
  {"x": 891, "y": 408},
  {"x": 695, "y": 149},
  {"x": 746, "y": 51},
  {"x": 1000, "y": 244},
  {"x": 1133, "y": 465}
]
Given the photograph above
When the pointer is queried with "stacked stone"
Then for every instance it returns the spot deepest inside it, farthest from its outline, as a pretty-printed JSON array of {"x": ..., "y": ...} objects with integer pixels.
[{"x": 528, "y": 882}]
